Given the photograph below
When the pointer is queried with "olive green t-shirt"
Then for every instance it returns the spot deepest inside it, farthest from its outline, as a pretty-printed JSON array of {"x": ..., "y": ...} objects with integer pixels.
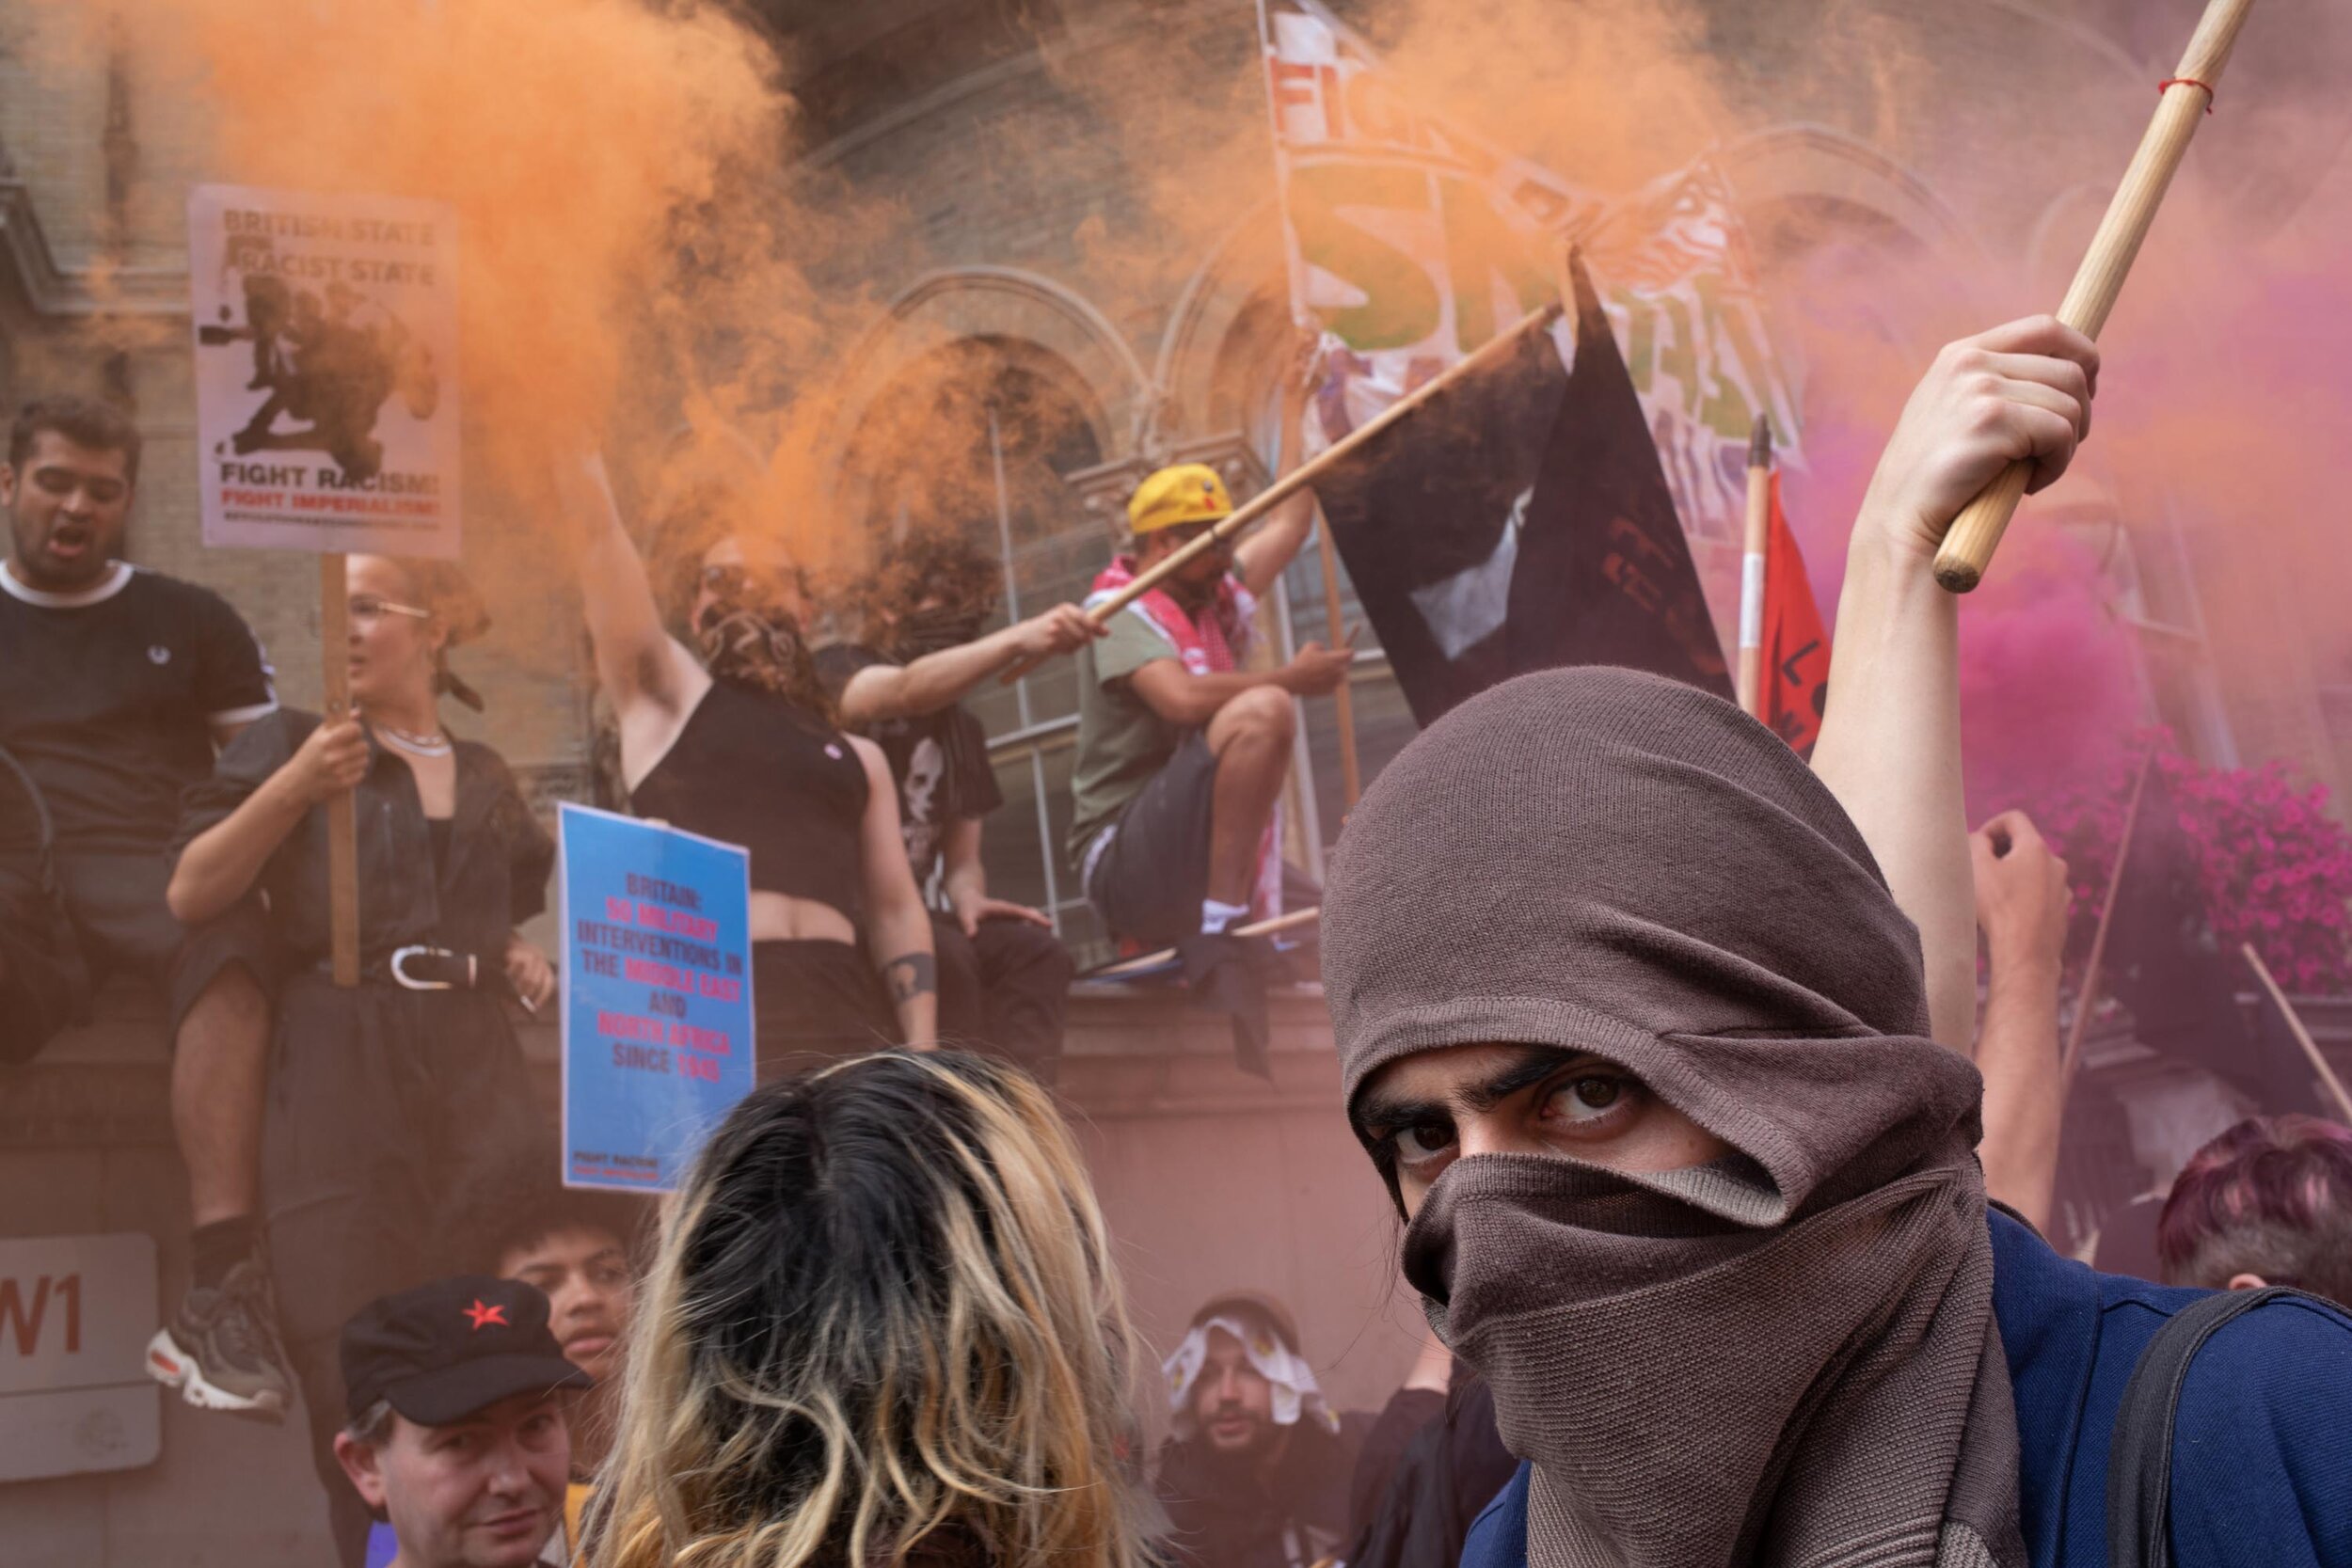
[{"x": 1121, "y": 742}]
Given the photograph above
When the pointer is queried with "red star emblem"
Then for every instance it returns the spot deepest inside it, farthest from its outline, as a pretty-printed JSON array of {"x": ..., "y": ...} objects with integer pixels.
[{"x": 483, "y": 1315}]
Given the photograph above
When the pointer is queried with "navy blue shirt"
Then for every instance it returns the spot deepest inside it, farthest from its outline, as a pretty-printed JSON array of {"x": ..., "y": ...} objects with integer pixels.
[{"x": 2261, "y": 1454}]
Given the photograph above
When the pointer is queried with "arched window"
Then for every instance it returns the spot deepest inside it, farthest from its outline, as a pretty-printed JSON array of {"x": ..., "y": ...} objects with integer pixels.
[{"x": 980, "y": 437}]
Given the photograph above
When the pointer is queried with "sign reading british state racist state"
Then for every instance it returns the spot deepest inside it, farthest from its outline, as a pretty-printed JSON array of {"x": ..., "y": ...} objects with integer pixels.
[
  {"x": 656, "y": 996},
  {"x": 325, "y": 371}
]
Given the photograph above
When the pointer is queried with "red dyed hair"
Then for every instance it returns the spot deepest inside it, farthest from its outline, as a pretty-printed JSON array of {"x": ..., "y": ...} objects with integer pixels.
[{"x": 2271, "y": 1197}]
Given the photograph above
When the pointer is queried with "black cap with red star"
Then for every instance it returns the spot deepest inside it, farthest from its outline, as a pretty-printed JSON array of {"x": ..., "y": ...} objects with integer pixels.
[{"x": 439, "y": 1353}]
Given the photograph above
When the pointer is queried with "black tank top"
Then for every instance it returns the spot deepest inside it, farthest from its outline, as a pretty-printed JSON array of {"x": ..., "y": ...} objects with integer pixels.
[{"x": 753, "y": 770}]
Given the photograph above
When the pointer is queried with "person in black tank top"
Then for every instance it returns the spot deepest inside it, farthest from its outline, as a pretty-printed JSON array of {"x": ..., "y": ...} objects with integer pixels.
[{"x": 740, "y": 745}]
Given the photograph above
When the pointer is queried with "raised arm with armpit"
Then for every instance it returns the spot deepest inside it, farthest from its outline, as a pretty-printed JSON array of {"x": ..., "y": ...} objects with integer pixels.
[
  {"x": 639, "y": 663},
  {"x": 1890, "y": 740}
]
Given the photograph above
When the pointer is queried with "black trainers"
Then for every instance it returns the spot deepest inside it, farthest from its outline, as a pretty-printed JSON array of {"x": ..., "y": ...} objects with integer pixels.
[{"x": 220, "y": 1348}]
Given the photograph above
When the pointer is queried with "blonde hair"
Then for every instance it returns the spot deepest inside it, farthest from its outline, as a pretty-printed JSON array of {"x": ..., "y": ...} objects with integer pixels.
[{"x": 883, "y": 1321}]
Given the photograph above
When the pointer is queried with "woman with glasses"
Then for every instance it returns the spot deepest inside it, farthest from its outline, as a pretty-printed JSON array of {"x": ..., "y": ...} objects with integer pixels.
[
  {"x": 742, "y": 745},
  {"x": 380, "y": 1097}
]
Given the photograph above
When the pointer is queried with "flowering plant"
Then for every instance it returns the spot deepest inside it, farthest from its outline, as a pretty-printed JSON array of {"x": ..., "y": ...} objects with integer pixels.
[{"x": 2274, "y": 868}]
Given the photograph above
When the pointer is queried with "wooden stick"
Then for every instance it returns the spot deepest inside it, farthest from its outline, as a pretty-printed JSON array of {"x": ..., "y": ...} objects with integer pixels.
[
  {"x": 1752, "y": 568},
  {"x": 343, "y": 831},
  {"x": 1308, "y": 472},
  {"x": 1351, "y": 772},
  {"x": 2088, "y": 994},
  {"x": 1261, "y": 929},
  {"x": 1967, "y": 548},
  {"x": 2302, "y": 1035}
]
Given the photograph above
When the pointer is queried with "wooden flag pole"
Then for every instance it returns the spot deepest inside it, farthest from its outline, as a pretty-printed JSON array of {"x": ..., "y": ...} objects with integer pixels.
[
  {"x": 2089, "y": 994},
  {"x": 1261, "y": 929},
  {"x": 2187, "y": 97},
  {"x": 2302, "y": 1035},
  {"x": 1351, "y": 774},
  {"x": 343, "y": 832},
  {"x": 1752, "y": 568},
  {"x": 1308, "y": 472}
]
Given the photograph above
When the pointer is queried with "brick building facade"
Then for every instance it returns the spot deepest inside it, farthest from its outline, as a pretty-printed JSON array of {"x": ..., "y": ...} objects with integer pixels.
[{"x": 1093, "y": 328}]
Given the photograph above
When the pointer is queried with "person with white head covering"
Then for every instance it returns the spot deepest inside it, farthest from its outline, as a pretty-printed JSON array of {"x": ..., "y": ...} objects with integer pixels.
[{"x": 1256, "y": 1472}]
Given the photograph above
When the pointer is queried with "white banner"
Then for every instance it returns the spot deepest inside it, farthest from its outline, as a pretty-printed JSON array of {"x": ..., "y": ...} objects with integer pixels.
[
  {"x": 1413, "y": 243},
  {"x": 325, "y": 371}
]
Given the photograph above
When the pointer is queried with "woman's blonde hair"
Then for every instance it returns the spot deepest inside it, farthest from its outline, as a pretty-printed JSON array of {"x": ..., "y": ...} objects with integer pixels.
[{"x": 884, "y": 1322}]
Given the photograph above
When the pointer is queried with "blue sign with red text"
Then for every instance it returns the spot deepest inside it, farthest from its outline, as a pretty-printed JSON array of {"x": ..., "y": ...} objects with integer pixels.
[{"x": 656, "y": 996}]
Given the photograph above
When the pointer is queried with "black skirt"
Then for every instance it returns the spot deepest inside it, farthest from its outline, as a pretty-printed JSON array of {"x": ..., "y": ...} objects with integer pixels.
[{"x": 816, "y": 1003}]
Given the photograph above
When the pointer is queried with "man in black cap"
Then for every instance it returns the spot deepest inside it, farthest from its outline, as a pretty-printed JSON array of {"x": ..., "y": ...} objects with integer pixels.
[{"x": 457, "y": 1437}]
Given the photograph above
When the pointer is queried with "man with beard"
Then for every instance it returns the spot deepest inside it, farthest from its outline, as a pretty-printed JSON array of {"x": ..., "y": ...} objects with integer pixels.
[
  {"x": 120, "y": 683},
  {"x": 1004, "y": 976},
  {"x": 1181, "y": 752},
  {"x": 1656, "y": 1036},
  {"x": 1257, "y": 1472}
]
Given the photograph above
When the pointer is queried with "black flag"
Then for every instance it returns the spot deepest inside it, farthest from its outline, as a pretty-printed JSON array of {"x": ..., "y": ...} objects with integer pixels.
[
  {"x": 1520, "y": 521},
  {"x": 2180, "y": 983}
]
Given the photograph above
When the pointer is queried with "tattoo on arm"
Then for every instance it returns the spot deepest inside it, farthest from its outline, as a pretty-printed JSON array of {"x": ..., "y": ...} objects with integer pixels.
[{"x": 910, "y": 975}]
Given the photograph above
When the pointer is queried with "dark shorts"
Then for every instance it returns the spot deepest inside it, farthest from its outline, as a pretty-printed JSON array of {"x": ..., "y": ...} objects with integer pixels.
[
  {"x": 116, "y": 905},
  {"x": 105, "y": 913},
  {"x": 1148, "y": 882}
]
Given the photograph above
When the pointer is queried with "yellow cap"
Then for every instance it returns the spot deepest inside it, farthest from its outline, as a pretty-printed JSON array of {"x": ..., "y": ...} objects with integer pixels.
[{"x": 1187, "y": 493}]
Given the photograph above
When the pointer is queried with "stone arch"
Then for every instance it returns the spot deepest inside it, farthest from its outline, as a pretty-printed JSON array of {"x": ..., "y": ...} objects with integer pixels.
[{"x": 1021, "y": 311}]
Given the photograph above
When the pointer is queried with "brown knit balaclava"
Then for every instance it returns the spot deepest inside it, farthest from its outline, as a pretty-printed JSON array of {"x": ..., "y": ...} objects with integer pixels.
[{"x": 1788, "y": 1356}]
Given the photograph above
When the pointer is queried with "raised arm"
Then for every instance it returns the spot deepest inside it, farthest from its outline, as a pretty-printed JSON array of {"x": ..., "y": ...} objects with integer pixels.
[
  {"x": 1274, "y": 542},
  {"x": 637, "y": 662},
  {"x": 897, "y": 928},
  {"x": 2021, "y": 903},
  {"x": 1890, "y": 740},
  {"x": 881, "y": 691}
]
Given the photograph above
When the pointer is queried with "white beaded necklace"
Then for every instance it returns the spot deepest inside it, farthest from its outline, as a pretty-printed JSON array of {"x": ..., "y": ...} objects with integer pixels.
[{"x": 416, "y": 745}]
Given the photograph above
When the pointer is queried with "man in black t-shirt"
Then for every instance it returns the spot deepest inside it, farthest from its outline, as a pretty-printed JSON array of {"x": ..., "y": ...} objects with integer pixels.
[
  {"x": 1004, "y": 976},
  {"x": 120, "y": 683}
]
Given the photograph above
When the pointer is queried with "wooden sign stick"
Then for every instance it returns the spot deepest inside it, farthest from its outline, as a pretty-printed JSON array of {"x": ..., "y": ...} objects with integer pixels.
[
  {"x": 1760, "y": 532},
  {"x": 2188, "y": 98},
  {"x": 343, "y": 832},
  {"x": 1308, "y": 472},
  {"x": 2088, "y": 995},
  {"x": 2302, "y": 1035}
]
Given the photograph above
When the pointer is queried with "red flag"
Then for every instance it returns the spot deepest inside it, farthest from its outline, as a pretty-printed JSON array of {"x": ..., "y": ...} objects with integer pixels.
[{"x": 1796, "y": 649}]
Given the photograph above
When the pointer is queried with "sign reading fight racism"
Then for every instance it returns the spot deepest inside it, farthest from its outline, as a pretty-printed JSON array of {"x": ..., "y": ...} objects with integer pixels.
[
  {"x": 656, "y": 996},
  {"x": 325, "y": 371},
  {"x": 1412, "y": 243},
  {"x": 75, "y": 1314}
]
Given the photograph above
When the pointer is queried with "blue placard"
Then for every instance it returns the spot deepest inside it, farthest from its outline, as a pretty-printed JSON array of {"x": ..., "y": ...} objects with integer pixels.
[{"x": 656, "y": 996}]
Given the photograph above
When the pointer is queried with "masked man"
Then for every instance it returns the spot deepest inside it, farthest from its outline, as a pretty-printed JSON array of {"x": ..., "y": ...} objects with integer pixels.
[{"x": 1657, "y": 1038}]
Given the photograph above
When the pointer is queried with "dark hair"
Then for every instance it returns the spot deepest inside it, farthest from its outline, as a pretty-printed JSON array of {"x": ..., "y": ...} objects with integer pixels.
[
  {"x": 945, "y": 563},
  {"x": 2271, "y": 1197},
  {"x": 517, "y": 1200},
  {"x": 84, "y": 421}
]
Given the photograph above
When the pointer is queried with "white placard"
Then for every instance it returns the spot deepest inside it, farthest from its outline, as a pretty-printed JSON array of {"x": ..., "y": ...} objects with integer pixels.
[
  {"x": 325, "y": 371},
  {"x": 76, "y": 1316}
]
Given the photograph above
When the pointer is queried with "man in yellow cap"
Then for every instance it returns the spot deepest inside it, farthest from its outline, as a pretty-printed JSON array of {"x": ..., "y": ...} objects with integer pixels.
[{"x": 1180, "y": 750}]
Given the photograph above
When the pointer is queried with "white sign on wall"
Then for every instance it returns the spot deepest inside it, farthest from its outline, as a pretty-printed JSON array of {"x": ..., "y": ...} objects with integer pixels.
[
  {"x": 325, "y": 371},
  {"x": 76, "y": 1315}
]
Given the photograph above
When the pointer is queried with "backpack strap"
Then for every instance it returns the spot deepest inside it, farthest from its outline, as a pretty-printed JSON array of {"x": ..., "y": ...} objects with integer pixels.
[{"x": 2139, "y": 1457}]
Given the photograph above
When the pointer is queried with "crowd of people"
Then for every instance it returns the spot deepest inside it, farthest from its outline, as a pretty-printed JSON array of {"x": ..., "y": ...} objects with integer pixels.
[{"x": 1721, "y": 1196}]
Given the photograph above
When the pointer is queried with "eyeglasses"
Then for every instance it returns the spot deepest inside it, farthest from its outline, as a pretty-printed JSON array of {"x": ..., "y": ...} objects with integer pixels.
[{"x": 366, "y": 609}]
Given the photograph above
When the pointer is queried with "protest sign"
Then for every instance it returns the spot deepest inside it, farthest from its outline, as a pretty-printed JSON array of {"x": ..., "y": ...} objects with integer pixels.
[
  {"x": 1412, "y": 241},
  {"x": 657, "y": 1039},
  {"x": 325, "y": 371}
]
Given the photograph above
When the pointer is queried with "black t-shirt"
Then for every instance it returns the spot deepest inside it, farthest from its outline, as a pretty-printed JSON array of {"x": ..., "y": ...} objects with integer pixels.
[
  {"x": 939, "y": 762},
  {"x": 110, "y": 694}
]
